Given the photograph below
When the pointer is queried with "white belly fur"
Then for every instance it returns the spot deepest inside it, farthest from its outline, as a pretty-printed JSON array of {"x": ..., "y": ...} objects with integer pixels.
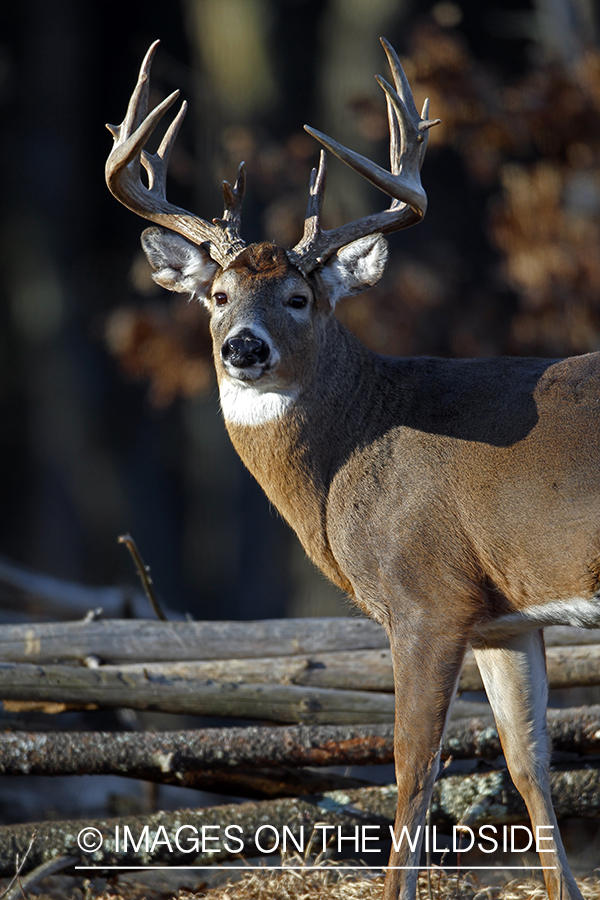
[{"x": 576, "y": 611}]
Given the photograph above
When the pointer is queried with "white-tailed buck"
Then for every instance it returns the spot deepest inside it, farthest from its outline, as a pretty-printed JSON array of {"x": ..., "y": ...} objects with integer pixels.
[{"x": 455, "y": 501}]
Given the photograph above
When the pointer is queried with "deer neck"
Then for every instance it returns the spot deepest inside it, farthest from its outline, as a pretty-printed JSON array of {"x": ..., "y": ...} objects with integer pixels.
[{"x": 295, "y": 454}]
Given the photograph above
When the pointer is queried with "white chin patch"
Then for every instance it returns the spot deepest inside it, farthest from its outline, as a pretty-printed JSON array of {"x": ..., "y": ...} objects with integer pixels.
[{"x": 247, "y": 404}]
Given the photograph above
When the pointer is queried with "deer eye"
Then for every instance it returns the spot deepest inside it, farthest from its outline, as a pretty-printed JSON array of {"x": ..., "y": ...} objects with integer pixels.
[
  {"x": 298, "y": 302},
  {"x": 220, "y": 298}
]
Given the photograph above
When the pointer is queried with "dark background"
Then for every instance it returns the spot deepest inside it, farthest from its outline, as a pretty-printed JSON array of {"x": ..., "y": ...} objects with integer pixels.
[{"x": 110, "y": 420}]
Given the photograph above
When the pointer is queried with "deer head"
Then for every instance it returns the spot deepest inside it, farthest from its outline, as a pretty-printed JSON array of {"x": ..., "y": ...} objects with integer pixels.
[{"x": 266, "y": 304}]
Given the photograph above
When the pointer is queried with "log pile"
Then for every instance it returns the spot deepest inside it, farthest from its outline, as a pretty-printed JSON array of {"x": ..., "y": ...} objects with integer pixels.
[
  {"x": 326, "y": 671},
  {"x": 328, "y": 685}
]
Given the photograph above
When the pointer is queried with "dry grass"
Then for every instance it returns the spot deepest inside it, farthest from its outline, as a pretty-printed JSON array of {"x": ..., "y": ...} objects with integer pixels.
[
  {"x": 327, "y": 884},
  {"x": 306, "y": 876},
  {"x": 316, "y": 877}
]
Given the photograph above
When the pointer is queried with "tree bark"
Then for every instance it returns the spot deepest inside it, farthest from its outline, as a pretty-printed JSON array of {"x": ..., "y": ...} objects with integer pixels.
[
  {"x": 176, "y": 755},
  {"x": 228, "y": 756}
]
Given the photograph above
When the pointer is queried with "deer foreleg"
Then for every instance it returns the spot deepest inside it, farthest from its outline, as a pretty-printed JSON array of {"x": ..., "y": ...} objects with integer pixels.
[
  {"x": 426, "y": 669},
  {"x": 514, "y": 675}
]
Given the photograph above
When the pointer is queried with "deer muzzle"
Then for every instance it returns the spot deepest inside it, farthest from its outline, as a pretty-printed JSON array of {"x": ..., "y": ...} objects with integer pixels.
[{"x": 245, "y": 350}]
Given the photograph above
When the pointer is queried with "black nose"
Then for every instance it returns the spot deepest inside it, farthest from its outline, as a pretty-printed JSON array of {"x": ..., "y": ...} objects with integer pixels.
[{"x": 245, "y": 350}]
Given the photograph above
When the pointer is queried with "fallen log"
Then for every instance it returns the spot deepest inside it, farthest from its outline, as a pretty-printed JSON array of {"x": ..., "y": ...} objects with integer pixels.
[
  {"x": 366, "y": 670},
  {"x": 281, "y": 689},
  {"x": 146, "y": 640},
  {"x": 363, "y": 670},
  {"x": 185, "y": 757},
  {"x": 129, "y": 641},
  {"x": 111, "y": 688},
  {"x": 178, "y": 756},
  {"x": 168, "y": 838},
  {"x": 204, "y": 760}
]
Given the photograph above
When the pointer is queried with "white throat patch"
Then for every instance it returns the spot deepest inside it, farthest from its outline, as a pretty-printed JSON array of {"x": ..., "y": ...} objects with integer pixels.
[{"x": 247, "y": 404}]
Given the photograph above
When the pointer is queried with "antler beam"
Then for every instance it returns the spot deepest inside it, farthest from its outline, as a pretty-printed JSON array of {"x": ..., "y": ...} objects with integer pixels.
[
  {"x": 408, "y": 142},
  {"x": 123, "y": 175}
]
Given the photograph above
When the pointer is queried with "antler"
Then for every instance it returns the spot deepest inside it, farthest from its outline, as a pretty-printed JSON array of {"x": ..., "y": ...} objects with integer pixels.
[
  {"x": 123, "y": 175},
  {"x": 408, "y": 142}
]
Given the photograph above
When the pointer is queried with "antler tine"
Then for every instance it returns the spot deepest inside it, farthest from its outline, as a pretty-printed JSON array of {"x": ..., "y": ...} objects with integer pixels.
[
  {"x": 316, "y": 193},
  {"x": 406, "y": 99},
  {"x": 406, "y": 155},
  {"x": 426, "y": 124},
  {"x": 408, "y": 138},
  {"x": 156, "y": 164},
  {"x": 124, "y": 181},
  {"x": 395, "y": 138},
  {"x": 233, "y": 198},
  {"x": 137, "y": 126},
  {"x": 232, "y": 216},
  {"x": 400, "y": 80},
  {"x": 137, "y": 107}
]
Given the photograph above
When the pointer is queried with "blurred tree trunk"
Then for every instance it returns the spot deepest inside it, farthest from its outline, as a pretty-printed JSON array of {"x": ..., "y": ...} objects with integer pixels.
[
  {"x": 564, "y": 28},
  {"x": 351, "y": 56},
  {"x": 232, "y": 39},
  {"x": 72, "y": 493}
]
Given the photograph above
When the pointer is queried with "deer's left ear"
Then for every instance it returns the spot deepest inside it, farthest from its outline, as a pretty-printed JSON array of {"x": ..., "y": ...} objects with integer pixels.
[
  {"x": 355, "y": 267},
  {"x": 178, "y": 264}
]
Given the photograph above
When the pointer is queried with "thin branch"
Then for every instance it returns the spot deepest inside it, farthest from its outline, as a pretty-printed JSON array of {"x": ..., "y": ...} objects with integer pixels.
[
  {"x": 19, "y": 867},
  {"x": 144, "y": 572},
  {"x": 50, "y": 867}
]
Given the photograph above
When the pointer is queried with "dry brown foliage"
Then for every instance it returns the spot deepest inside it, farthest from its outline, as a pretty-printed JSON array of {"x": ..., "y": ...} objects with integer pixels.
[
  {"x": 167, "y": 346},
  {"x": 536, "y": 144}
]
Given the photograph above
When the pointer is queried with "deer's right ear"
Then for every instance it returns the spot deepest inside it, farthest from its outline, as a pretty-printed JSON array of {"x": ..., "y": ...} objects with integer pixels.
[
  {"x": 178, "y": 264},
  {"x": 355, "y": 267}
]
